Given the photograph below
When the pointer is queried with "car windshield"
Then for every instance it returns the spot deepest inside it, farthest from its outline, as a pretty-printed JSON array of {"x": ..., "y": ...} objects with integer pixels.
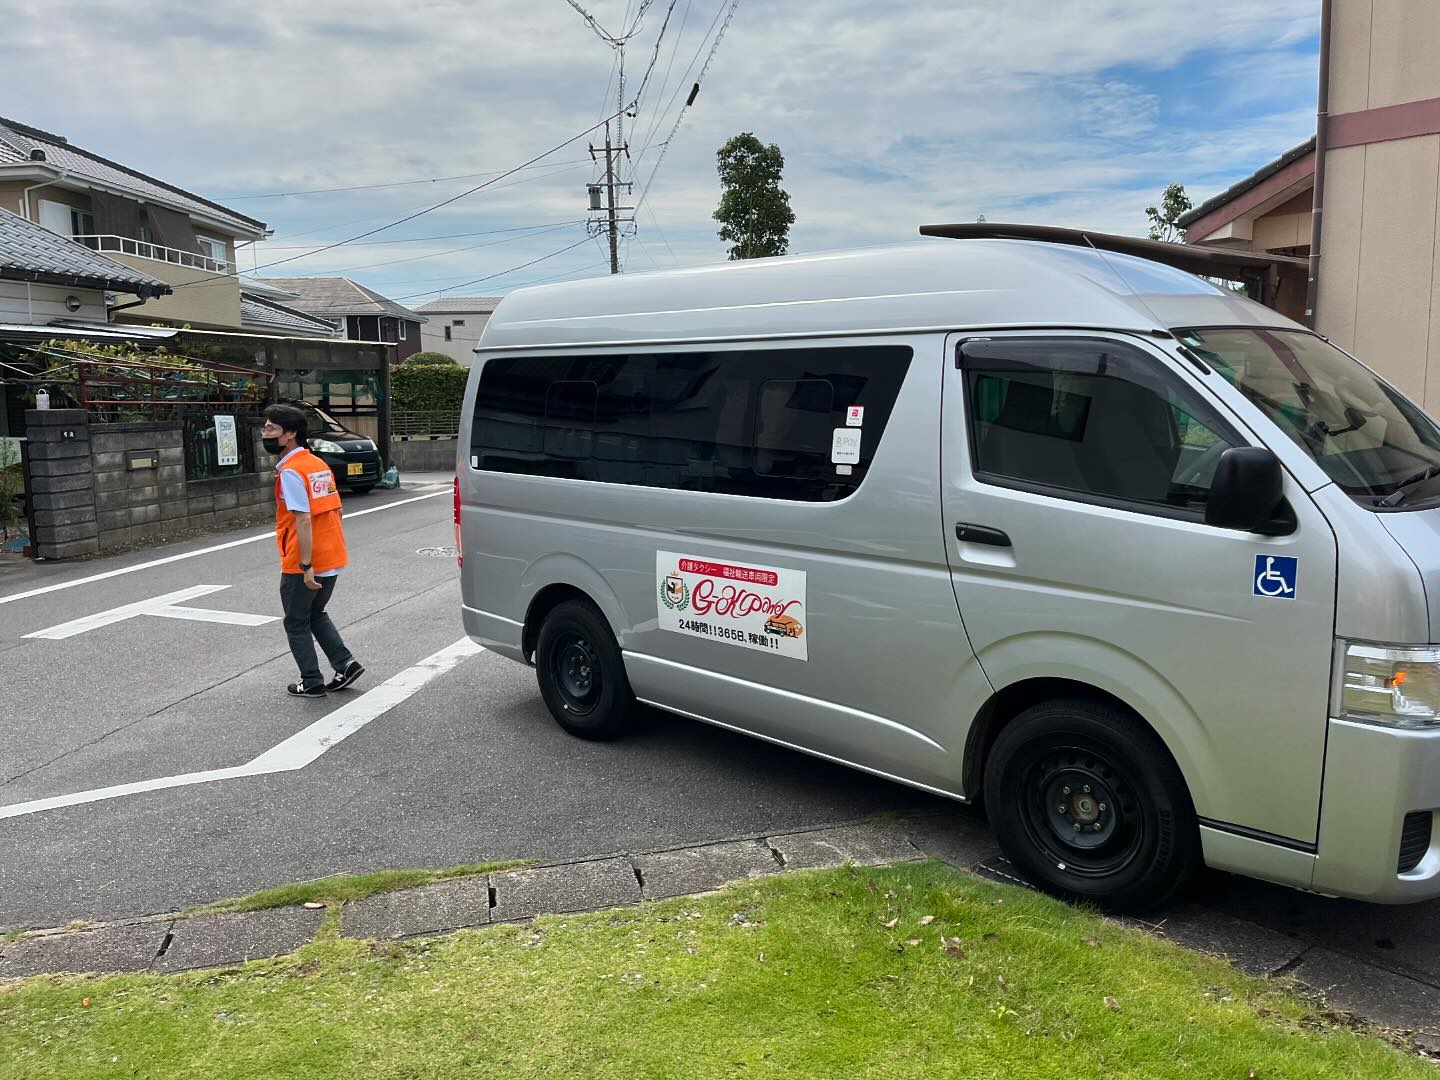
[
  {"x": 1366, "y": 435},
  {"x": 318, "y": 423}
]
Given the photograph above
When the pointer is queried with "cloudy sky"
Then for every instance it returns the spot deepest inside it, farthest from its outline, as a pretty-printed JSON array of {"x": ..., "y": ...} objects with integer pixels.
[{"x": 890, "y": 115}]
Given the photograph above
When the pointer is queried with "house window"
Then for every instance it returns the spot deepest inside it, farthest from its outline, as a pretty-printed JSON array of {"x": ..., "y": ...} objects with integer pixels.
[
  {"x": 447, "y": 333},
  {"x": 213, "y": 250},
  {"x": 459, "y": 322},
  {"x": 404, "y": 329}
]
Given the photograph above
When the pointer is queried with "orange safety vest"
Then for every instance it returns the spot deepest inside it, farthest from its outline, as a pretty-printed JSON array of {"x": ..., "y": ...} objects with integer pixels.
[{"x": 327, "y": 548}]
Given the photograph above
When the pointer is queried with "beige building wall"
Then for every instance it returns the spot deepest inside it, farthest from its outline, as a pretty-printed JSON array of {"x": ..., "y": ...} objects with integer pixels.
[
  {"x": 461, "y": 346},
  {"x": 200, "y": 299},
  {"x": 12, "y": 198},
  {"x": 22, "y": 302},
  {"x": 1379, "y": 286}
]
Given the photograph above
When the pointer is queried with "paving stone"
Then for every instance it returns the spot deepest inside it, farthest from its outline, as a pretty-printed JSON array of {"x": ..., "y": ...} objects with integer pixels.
[
  {"x": 863, "y": 845},
  {"x": 445, "y": 905},
  {"x": 701, "y": 869},
  {"x": 958, "y": 836},
  {"x": 129, "y": 947},
  {"x": 1380, "y": 996},
  {"x": 582, "y": 886},
  {"x": 1254, "y": 949},
  {"x": 220, "y": 940}
]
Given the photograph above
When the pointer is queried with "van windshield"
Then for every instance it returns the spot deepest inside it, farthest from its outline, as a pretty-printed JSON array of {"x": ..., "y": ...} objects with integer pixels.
[{"x": 1374, "y": 443}]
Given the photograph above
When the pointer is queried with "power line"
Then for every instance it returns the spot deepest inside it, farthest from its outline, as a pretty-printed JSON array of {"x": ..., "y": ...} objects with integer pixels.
[
  {"x": 530, "y": 179},
  {"x": 419, "y": 213},
  {"x": 388, "y": 184},
  {"x": 502, "y": 273},
  {"x": 669, "y": 66},
  {"x": 645, "y": 191},
  {"x": 452, "y": 251},
  {"x": 442, "y": 236}
]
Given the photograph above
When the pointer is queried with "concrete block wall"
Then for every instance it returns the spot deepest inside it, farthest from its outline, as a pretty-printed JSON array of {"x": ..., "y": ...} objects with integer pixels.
[
  {"x": 88, "y": 499},
  {"x": 62, "y": 483},
  {"x": 423, "y": 455}
]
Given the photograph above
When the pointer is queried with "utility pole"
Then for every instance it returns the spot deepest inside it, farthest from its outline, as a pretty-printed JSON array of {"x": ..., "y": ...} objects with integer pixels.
[{"x": 611, "y": 222}]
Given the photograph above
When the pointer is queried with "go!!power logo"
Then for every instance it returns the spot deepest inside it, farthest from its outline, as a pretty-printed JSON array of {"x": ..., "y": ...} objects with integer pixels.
[{"x": 674, "y": 593}]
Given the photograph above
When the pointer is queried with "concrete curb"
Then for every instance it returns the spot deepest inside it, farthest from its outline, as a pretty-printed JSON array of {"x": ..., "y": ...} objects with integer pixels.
[{"x": 170, "y": 943}]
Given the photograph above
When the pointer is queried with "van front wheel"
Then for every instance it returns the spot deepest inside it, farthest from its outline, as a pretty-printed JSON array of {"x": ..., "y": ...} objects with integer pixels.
[
  {"x": 581, "y": 675},
  {"x": 1088, "y": 805}
]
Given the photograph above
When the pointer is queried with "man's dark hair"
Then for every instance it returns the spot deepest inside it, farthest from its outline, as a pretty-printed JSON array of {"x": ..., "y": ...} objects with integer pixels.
[{"x": 287, "y": 418}]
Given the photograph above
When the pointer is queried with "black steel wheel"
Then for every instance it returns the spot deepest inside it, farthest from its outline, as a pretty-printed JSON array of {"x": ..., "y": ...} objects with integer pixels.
[
  {"x": 1089, "y": 805},
  {"x": 581, "y": 673}
]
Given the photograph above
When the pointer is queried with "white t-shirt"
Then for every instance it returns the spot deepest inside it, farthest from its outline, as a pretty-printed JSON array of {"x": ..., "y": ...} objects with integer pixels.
[{"x": 297, "y": 498}]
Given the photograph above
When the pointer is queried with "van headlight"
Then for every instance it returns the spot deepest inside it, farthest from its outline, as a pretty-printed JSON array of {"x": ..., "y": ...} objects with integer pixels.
[{"x": 1390, "y": 685}]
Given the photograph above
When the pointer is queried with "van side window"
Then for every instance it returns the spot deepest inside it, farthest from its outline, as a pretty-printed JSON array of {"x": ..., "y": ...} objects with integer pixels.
[
  {"x": 1092, "y": 418},
  {"x": 743, "y": 422}
]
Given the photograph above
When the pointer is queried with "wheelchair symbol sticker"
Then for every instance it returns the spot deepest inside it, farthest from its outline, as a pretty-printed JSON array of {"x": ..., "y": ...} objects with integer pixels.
[{"x": 1275, "y": 576}]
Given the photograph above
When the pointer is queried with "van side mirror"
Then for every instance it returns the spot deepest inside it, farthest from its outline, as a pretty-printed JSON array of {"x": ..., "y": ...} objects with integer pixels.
[{"x": 1247, "y": 490}]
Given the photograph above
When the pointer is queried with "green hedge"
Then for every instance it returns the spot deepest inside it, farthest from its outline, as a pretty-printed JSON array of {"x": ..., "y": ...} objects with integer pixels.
[
  {"x": 420, "y": 359},
  {"x": 430, "y": 387}
]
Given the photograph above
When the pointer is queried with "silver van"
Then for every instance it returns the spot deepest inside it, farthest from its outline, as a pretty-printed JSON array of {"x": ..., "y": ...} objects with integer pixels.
[{"x": 1147, "y": 567}]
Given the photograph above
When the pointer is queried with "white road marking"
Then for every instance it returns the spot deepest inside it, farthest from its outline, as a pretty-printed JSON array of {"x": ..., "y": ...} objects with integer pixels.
[
  {"x": 166, "y": 606},
  {"x": 202, "y": 551},
  {"x": 295, "y": 752}
]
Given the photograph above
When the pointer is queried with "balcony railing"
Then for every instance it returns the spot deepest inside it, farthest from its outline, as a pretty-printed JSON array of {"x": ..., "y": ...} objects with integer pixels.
[{"x": 143, "y": 249}]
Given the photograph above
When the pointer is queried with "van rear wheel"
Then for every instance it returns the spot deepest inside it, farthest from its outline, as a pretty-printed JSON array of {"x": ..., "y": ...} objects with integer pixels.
[
  {"x": 581, "y": 675},
  {"x": 1088, "y": 805}
]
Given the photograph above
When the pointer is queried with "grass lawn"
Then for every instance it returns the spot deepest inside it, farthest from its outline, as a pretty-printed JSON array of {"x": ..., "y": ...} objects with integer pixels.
[{"x": 916, "y": 971}]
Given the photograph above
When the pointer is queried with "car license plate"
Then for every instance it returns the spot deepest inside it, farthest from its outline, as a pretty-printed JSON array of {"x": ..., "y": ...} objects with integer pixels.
[{"x": 354, "y": 468}]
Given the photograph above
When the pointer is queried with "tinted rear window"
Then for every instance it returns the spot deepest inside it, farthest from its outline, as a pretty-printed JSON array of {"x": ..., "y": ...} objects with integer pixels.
[{"x": 761, "y": 423}]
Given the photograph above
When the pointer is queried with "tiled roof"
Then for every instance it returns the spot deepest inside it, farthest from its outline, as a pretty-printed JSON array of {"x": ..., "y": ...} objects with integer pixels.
[
  {"x": 18, "y": 140},
  {"x": 31, "y": 252},
  {"x": 328, "y": 296},
  {"x": 260, "y": 312},
  {"x": 1234, "y": 191},
  {"x": 461, "y": 305}
]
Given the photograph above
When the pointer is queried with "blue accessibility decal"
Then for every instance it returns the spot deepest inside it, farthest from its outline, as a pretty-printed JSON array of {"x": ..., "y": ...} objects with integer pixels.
[{"x": 1275, "y": 576}]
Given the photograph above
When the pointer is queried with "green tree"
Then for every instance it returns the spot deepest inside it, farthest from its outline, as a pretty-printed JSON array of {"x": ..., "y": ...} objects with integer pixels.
[
  {"x": 1165, "y": 217},
  {"x": 754, "y": 211}
]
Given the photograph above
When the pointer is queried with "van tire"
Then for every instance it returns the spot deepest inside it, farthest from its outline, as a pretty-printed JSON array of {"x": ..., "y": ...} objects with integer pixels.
[
  {"x": 581, "y": 674},
  {"x": 1049, "y": 773}
]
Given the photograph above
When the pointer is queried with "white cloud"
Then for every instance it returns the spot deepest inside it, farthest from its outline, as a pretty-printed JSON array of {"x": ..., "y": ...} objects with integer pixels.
[{"x": 1061, "y": 111}]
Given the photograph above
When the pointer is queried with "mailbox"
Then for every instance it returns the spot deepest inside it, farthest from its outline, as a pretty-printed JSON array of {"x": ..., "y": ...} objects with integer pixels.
[{"x": 142, "y": 459}]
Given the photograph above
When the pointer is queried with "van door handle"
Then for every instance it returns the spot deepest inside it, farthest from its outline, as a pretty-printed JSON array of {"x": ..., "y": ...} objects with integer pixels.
[{"x": 978, "y": 534}]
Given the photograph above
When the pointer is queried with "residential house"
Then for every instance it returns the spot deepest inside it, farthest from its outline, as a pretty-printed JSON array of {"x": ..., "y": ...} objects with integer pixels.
[
  {"x": 1376, "y": 286},
  {"x": 455, "y": 324},
  {"x": 360, "y": 314},
  {"x": 265, "y": 308},
  {"x": 182, "y": 239},
  {"x": 49, "y": 284}
]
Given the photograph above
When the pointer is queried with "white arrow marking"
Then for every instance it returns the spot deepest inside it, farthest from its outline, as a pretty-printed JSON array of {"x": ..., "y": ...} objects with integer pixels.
[
  {"x": 295, "y": 752},
  {"x": 166, "y": 607}
]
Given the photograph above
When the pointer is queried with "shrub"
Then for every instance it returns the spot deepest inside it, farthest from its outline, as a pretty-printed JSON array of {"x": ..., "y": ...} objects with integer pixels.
[
  {"x": 420, "y": 359},
  {"x": 427, "y": 387}
]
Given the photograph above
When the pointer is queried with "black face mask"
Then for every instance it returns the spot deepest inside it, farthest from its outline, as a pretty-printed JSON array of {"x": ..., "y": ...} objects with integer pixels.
[{"x": 272, "y": 446}]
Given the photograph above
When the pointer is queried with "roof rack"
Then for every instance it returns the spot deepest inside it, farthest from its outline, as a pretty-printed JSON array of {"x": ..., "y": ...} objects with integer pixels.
[{"x": 1193, "y": 258}]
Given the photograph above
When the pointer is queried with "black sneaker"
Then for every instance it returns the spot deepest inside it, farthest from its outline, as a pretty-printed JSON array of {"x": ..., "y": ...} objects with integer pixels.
[
  {"x": 301, "y": 690},
  {"x": 342, "y": 679}
]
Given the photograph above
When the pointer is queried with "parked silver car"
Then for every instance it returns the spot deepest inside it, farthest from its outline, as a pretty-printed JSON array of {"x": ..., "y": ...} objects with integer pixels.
[{"x": 1148, "y": 567}]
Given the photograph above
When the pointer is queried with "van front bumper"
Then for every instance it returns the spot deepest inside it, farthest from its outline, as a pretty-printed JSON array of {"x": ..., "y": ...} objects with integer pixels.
[{"x": 1374, "y": 777}]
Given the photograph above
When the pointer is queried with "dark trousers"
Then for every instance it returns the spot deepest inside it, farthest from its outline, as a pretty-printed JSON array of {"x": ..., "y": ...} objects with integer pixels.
[{"x": 306, "y": 623}]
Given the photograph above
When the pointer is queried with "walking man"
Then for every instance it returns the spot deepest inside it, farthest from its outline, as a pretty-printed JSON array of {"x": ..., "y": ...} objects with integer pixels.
[{"x": 312, "y": 552}]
